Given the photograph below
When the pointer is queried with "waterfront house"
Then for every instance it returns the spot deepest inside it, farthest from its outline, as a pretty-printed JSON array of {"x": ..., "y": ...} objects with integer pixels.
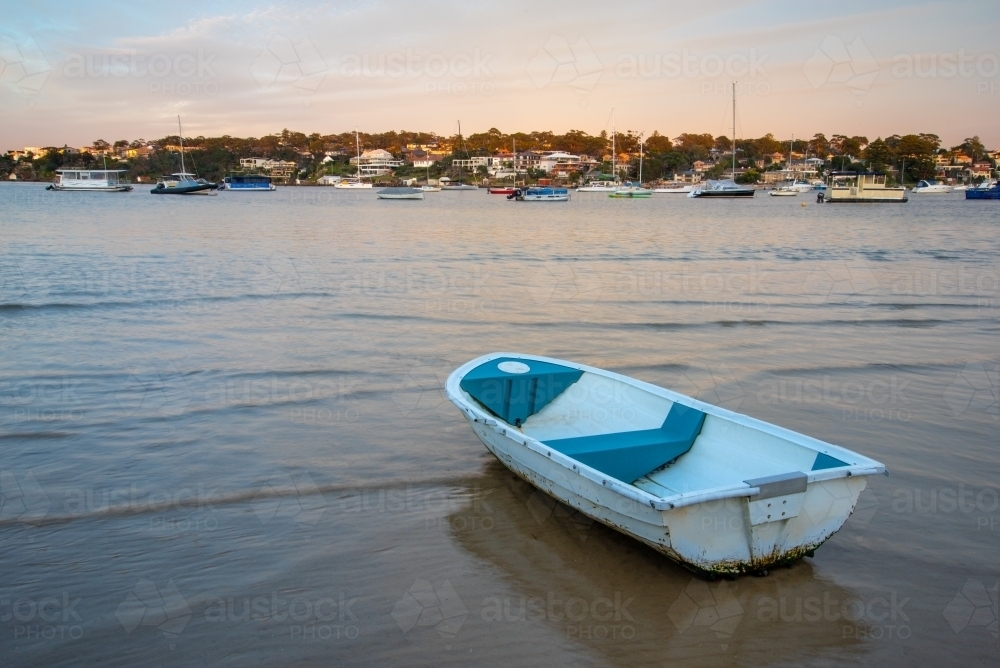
[{"x": 376, "y": 162}]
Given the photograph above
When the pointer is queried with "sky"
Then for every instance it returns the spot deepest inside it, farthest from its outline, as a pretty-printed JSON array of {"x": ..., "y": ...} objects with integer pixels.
[{"x": 71, "y": 73}]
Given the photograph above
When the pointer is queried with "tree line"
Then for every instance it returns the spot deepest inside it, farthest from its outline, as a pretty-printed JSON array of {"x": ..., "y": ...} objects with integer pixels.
[{"x": 213, "y": 157}]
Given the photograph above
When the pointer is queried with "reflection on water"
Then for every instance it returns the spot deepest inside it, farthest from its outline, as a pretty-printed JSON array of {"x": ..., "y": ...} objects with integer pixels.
[{"x": 621, "y": 600}]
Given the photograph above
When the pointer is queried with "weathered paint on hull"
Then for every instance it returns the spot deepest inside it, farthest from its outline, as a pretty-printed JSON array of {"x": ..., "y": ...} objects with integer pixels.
[{"x": 713, "y": 538}]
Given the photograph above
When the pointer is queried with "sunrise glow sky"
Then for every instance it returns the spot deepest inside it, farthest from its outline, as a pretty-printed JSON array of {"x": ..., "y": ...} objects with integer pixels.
[{"x": 71, "y": 73}]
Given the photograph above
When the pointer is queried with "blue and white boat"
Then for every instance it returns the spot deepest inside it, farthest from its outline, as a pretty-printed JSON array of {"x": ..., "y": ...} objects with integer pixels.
[
  {"x": 984, "y": 191},
  {"x": 717, "y": 491},
  {"x": 545, "y": 194},
  {"x": 248, "y": 183}
]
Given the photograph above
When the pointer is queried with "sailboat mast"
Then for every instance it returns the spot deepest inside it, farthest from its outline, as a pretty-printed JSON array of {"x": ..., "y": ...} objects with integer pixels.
[
  {"x": 640, "y": 160},
  {"x": 614, "y": 131},
  {"x": 734, "y": 131},
  {"x": 357, "y": 144},
  {"x": 515, "y": 163},
  {"x": 180, "y": 133}
]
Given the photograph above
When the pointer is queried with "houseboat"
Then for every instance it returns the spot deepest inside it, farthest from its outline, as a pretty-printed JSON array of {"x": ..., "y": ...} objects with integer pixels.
[
  {"x": 248, "y": 183},
  {"x": 540, "y": 195},
  {"x": 97, "y": 180},
  {"x": 861, "y": 187}
]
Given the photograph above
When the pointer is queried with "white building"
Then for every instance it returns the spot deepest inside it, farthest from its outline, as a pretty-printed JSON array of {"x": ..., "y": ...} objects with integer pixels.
[
  {"x": 253, "y": 163},
  {"x": 376, "y": 162},
  {"x": 558, "y": 162}
]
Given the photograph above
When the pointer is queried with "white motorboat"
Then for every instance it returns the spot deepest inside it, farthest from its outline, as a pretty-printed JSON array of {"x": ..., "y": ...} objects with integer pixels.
[
  {"x": 784, "y": 191},
  {"x": 352, "y": 184},
  {"x": 675, "y": 190},
  {"x": 96, "y": 180},
  {"x": 630, "y": 191},
  {"x": 431, "y": 189},
  {"x": 400, "y": 193},
  {"x": 930, "y": 186},
  {"x": 545, "y": 194},
  {"x": 458, "y": 185},
  {"x": 717, "y": 491},
  {"x": 800, "y": 185},
  {"x": 599, "y": 187}
]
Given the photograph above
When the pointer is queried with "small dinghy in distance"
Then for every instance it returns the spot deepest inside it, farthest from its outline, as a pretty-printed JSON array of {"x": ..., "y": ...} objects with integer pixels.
[
  {"x": 719, "y": 492},
  {"x": 400, "y": 193}
]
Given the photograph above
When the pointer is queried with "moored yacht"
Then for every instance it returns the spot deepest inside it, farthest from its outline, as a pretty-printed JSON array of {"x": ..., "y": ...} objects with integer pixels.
[
  {"x": 723, "y": 188},
  {"x": 183, "y": 182},
  {"x": 630, "y": 191},
  {"x": 354, "y": 183},
  {"x": 97, "y": 180},
  {"x": 675, "y": 189},
  {"x": 598, "y": 187},
  {"x": 930, "y": 186}
]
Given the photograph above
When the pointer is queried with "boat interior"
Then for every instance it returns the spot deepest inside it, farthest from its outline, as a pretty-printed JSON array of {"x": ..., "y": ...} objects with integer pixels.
[{"x": 629, "y": 433}]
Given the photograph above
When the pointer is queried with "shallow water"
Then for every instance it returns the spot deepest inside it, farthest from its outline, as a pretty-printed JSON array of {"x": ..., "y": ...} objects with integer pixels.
[{"x": 223, "y": 438}]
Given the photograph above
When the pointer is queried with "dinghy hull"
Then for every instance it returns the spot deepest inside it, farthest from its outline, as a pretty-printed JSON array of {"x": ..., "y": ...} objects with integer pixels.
[{"x": 766, "y": 522}]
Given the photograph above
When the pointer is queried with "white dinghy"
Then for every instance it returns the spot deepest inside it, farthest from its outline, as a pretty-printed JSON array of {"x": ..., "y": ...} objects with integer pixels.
[{"x": 717, "y": 491}]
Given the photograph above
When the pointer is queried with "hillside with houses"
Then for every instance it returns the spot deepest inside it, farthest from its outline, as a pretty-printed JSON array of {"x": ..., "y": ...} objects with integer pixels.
[{"x": 574, "y": 157}]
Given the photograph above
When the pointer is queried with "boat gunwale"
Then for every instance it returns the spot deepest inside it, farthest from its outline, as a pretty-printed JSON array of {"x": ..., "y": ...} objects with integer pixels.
[{"x": 680, "y": 500}]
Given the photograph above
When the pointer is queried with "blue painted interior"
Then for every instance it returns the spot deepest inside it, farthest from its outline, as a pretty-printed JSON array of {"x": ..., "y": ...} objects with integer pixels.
[
  {"x": 824, "y": 461},
  {"x": 632, "y": 454},
  {"x": 514, "y": 397}
]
